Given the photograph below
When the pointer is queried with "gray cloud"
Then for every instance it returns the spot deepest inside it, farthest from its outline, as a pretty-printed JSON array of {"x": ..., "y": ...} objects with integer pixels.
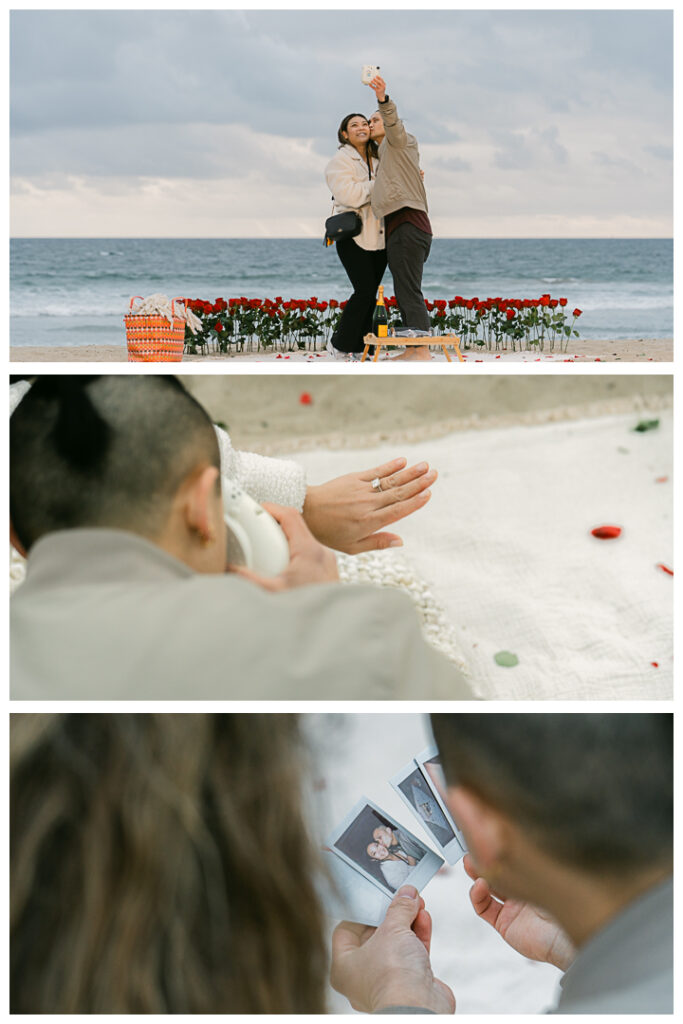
[{"x": 514, "y": 104}]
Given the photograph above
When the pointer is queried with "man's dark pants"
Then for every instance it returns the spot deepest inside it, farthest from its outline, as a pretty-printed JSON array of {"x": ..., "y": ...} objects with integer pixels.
[{"x": 407, "y": 251}]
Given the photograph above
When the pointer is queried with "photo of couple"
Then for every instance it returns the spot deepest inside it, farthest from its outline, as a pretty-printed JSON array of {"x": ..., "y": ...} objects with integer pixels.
[
  {"x": 381, "y": 849},
  {"x": 376, "y": 175}
]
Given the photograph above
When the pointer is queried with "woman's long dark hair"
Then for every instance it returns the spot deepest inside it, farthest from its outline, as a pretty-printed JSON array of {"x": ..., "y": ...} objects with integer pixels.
[
  {"x": 160, "y": 863},
  {"x": 371, "y": 148}
]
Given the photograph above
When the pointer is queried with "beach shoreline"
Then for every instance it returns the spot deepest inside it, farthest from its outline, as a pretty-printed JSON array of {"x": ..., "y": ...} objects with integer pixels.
[{"x": 640, "y": 350}]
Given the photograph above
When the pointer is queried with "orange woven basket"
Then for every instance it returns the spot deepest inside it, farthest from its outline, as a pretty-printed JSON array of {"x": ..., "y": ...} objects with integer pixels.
[{"x": 152, "y": 339}]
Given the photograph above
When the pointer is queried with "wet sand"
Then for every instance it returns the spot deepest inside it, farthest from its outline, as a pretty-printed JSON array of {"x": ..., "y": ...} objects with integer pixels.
[{"x": 641, "y": 350}]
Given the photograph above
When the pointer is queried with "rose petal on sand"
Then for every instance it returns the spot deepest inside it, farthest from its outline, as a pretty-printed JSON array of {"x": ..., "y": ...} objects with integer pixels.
[
  {"x": 665, "y": 568},
  {"x": 305, "y": 398}
]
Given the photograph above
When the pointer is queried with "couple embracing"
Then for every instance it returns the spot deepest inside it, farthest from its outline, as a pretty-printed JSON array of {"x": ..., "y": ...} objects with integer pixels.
[{"x": 376, "y": 173}]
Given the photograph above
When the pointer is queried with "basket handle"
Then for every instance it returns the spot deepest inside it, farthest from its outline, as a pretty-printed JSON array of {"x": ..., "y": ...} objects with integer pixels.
[
  {"x": 134, "y": 298},
  {"x": 178, "y": 298}
]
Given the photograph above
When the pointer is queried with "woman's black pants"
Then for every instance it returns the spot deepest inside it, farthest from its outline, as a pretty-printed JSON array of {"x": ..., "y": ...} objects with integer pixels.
[{"x": 365, "y": 268}]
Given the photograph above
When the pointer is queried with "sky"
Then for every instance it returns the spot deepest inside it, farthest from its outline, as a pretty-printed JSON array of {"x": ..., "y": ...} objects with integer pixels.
[{"x": 220, "y": 123}]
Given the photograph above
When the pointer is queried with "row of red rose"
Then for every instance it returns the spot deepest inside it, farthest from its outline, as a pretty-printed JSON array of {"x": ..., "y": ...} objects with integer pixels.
[{"x": 274, "y": 307}]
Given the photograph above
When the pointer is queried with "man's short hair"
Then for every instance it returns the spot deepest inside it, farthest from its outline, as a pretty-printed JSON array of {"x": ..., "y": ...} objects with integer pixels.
[
  {"x": 105, "y": 451},
  {"x": 593, "y": 790}
]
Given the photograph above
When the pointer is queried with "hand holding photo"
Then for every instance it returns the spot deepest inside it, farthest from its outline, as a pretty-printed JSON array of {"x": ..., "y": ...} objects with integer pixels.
[{"x": 371, "y": 847}]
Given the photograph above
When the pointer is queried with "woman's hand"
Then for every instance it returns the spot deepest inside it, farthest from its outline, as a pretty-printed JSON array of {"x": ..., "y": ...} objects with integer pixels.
[
  {"x": 532, "y": 932},
  {"x": 379, "y": 86},
  {"x": 389, "y": 966},
  {"x": 346, "y": 513}
]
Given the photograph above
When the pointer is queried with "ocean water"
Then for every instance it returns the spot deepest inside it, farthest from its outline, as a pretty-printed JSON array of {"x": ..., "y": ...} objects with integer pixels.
[{"x": 76, "y": 291}]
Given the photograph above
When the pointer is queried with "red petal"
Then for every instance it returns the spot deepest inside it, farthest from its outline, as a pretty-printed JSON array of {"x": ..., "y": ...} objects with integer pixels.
[
  {"x": 606, "y": 532},
  {"x": 655, "y": 664},
  {"x": 665, "y": 568}
]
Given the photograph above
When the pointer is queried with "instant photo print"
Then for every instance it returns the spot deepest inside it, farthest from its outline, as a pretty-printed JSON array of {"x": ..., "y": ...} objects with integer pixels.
[
  {"x": 370, "y": 856},
  {"x": 421, "y": 786}
]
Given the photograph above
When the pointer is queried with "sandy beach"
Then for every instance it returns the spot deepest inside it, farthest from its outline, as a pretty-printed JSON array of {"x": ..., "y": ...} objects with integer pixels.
[
  {"x": 640, "y": 350},
  {"x": 265, "y": 413}
]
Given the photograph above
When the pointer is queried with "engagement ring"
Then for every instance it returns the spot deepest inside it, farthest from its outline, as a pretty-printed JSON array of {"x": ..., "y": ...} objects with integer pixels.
[{"x": 376, "y": 484}]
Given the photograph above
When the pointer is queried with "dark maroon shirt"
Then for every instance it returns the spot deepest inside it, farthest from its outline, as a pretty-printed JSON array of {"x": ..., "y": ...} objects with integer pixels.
[{"x": 406, "y": 215}]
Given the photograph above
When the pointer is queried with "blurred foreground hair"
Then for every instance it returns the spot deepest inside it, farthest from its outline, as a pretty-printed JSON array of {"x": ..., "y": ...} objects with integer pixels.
[
  {"x": 161, "y": 864},
  {"x": 105, "y": 451},
  {"x": 595, "y": 791}
]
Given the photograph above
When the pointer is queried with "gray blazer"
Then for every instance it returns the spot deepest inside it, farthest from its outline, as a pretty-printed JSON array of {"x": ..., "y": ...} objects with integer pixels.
[{"x": 105, "y": 614}]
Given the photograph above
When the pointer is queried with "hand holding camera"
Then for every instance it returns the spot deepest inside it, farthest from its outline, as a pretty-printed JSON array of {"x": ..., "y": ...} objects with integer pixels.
[
  {"x": 379, "y": 86},
  {"x": 309, "y": 561}
]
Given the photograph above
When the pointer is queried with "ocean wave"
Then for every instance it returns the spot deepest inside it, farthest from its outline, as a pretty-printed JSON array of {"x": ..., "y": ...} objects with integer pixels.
[{"x": 58, "y": 311}]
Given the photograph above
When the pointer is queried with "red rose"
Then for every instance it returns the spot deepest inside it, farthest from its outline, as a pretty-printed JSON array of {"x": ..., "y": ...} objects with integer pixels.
[
  {"x": 553, "y": 303},
  {"x": 441, "y": 312},
  {"x": 333, "y": 304},
  {"x": 545, "y": 300},
  {"x": 218, "y": 327},
  {"x": 510, "y": 314},
  {"x": 563, "y": 302},
  {"x": 577, "y": 312}
]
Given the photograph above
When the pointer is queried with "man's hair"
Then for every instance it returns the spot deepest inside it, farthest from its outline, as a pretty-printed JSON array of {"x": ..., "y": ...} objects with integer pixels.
[
  {"x": 106, "y": 451},
  {"x": 593, "y": 790},
  {"x": 161, "y": 863}
]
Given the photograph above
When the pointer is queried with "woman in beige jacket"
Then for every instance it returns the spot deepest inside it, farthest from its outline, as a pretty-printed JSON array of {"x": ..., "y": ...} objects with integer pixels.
[{"x": 350, "y": 176}]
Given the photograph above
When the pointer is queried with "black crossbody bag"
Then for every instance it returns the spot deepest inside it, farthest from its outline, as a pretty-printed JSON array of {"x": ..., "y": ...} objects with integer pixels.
[{"x": 341, "y": 226}]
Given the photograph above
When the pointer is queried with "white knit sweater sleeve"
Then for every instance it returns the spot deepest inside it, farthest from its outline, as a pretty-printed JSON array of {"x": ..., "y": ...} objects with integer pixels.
[{"x": 264, "y": 479}]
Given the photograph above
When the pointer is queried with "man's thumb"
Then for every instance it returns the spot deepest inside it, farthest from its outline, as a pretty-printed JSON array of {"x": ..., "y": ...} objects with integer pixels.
[{"x": 404, "y": 908}]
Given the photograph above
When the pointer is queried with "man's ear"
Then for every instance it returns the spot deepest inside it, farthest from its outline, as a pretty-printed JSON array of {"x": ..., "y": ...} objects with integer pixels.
[
  {"x": 15, "y": 542},
  {"x": 484, "y": 827},
  {"x": 200, "y": 502}
]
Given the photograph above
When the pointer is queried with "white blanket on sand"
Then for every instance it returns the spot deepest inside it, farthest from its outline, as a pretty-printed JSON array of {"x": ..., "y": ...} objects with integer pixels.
[{"x": 505, "y": 543}]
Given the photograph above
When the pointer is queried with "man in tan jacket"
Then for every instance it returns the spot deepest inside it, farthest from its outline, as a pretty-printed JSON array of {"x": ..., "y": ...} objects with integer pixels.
[
  {"x": 399, "y": 197},
  {"x": 115, "y": 497}
]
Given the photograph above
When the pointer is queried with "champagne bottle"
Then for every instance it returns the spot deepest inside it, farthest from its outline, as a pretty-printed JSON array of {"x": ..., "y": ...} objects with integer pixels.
[{"x": 380, "y": 321}]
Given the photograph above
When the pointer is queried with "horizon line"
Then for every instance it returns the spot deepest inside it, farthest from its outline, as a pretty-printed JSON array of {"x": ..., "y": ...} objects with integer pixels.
[{"x": 308, "y": 238}]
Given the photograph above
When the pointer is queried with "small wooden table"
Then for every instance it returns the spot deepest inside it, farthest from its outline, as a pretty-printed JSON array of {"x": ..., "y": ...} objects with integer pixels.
[{"x": 443, "y": 340}]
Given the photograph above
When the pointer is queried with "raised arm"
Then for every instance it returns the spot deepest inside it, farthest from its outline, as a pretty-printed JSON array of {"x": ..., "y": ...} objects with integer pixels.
[{"x": 393, "y": 126}]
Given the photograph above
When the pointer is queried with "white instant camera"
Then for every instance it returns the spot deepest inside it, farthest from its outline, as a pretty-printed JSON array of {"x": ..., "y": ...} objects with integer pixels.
[
  {"x": 368, "y": 72},
  {"x": 255, "y": 539}
]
